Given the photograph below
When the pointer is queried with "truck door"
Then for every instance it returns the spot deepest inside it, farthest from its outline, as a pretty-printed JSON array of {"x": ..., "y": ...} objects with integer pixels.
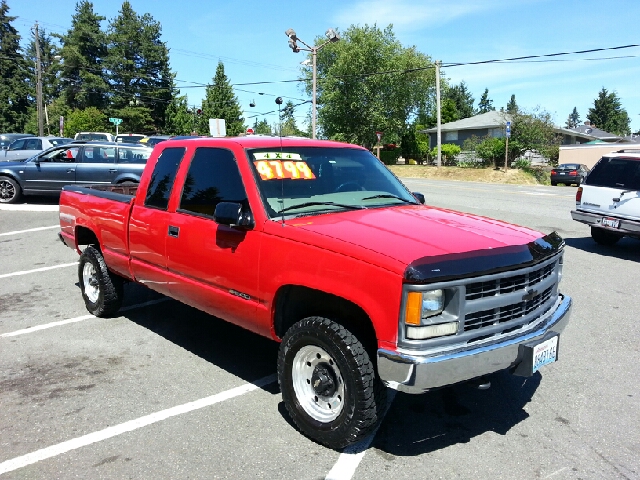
[
  {"x": 215, "y": 267},
  {"x": 97, "y": 165},
  {"x": 149, "y": 224}
]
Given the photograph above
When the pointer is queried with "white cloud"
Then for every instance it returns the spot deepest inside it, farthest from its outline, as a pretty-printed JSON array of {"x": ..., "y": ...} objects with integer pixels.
[{"x": 410, "y": 15}]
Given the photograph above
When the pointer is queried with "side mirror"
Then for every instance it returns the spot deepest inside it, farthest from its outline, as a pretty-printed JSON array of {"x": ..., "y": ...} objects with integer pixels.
[
  {"x": 230, "y": 213},
  {"x": 419, "y": 196}
]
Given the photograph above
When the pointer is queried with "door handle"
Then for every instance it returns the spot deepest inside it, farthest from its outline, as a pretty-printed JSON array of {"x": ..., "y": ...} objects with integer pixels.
[
  {"x": 112, "y": 170},
  {"x": 174, "y": 231},
  {"x": 71, "y": 170}
]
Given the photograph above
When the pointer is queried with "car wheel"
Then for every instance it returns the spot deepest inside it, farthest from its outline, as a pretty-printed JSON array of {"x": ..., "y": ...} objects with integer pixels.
[
  {"x": 10, "y": 191},
  {"x": 102, "y": 291},
  {"x": 328, "y": 382},
  {"x": 604, "y": 237}
]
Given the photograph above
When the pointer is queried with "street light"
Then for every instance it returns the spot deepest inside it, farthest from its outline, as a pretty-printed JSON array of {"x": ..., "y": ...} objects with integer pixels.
[{"x": 332, "y": 37}]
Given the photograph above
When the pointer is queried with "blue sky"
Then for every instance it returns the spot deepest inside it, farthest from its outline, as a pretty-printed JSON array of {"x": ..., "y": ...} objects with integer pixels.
[{"x": 248, "y": 37}]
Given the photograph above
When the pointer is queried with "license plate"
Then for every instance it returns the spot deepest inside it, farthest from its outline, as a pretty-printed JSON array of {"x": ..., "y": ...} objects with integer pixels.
[
  {"x": 562, "y": 173},
  {"x": 545, "y": 353},
  {"x": 610, "y": 222}
]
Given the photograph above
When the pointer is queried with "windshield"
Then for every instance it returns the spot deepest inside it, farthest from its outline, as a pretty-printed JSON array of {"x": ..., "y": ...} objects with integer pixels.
[
  {"x": 59, "y": 141},
  {"x": 92, "y": 136},
  {"x": 309, "y": 180},
  {"x": 129, "y": 138},
  {"x": 623, "y": 173}
]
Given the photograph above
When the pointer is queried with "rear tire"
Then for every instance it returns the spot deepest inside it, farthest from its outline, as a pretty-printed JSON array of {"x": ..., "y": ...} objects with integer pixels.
[
  {"x": 102, "y": 291},
  {"x": 604, "y": 237},
  {"x": 10, "y": 191},
  {"x": 328, "y": 383}
]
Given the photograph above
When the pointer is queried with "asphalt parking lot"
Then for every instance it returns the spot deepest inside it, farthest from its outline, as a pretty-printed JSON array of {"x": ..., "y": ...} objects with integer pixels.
[{"x": 165, "y": 391}]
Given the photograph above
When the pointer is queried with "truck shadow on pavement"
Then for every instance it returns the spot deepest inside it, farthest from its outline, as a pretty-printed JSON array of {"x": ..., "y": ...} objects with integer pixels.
[
  {"x": 241, "y": 353},
  {"x": 418, "y": 424},
  {"x": 625, "y": 249}
]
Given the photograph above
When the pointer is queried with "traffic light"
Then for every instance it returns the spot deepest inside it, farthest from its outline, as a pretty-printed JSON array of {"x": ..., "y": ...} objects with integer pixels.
[{"x": 199, "y": 111}]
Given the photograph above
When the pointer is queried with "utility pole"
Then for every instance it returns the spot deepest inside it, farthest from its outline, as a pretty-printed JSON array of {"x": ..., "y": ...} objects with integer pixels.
[
  {"x": 38, "y": 81},
  {"x": 439, "y": 135}
]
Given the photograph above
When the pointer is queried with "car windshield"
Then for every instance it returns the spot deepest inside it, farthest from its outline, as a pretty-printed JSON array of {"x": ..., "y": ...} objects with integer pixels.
[
  {"x": 59, "y": 141},
  {"x": 129, "y": 138},
  {"x": 301, "y": 181},
  {"x": 91, "y": 136},
  {"x": 622, "y": 173},
  {"x": 569, "y": 166}
]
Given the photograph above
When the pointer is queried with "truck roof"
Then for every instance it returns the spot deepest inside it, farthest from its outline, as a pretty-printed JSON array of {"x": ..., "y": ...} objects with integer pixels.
[{"x": 261, "y": 141}]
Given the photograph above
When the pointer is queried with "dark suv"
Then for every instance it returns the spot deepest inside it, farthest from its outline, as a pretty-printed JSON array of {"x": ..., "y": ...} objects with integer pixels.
[{"x": 78, "y": 163}]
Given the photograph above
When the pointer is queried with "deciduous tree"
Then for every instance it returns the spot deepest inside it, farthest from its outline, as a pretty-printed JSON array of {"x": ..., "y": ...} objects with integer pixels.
[{"x": 355, "y": 99}]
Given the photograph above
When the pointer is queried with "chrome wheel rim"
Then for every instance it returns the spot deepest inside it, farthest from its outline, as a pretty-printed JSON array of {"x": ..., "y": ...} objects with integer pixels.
[
  {"x": 90, "y": 281},
  {"x": 7, "y": 190},
  {"x": 318, "y": 383}
]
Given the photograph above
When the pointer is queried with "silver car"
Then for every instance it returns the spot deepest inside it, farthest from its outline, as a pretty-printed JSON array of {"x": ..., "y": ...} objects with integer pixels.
[{"x": 28, "y": 147}]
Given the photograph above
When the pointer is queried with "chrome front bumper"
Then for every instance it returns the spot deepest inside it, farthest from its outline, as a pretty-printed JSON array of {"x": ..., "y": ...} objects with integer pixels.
[{"x": 412, "y": 373}]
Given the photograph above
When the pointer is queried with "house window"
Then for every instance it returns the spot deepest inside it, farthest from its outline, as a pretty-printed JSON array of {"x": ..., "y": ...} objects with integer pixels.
[
  {"x": 451, "y": 136},
  {"x": 496, "y": 132}
]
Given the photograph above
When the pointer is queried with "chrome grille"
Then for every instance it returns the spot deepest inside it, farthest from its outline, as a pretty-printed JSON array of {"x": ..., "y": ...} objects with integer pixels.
[
  {"x": 505, "y": 313},
  {"x": 501, "y": 286}
]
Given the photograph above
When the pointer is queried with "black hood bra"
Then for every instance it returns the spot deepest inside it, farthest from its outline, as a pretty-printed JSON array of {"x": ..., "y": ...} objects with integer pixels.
[{"x": 453, "y": 266}]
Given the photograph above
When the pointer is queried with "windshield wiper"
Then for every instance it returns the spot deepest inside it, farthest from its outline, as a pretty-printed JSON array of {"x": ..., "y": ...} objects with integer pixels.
[
  {"x": 311, "y": 204},
  {"x": 388, "y": 195}
]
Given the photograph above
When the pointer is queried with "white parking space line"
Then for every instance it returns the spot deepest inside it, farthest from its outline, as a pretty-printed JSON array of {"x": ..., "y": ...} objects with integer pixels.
[
  {"x": 29, "y": 208},
  {"x": 110, "y": 432},
  {"x": 36, "y": 270},
  {"x": 18, "y": 232},
  {"x": 76, "y": 319},
  {"x": 351, "y": 456}
]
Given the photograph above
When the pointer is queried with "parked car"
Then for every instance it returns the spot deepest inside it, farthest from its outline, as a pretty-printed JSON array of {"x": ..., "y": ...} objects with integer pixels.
[
  {"x": 609, "y": 201},
  {"x": 153, "y": 140},
  {"x": 100, "y": 136},
  {"x": 569, "y": 173},
  {"x": 129, "y": 137},
  {"x": 24, "y": 148},
  {"x": 94, "y": 163},
  {"x": 7, "y": 138}
]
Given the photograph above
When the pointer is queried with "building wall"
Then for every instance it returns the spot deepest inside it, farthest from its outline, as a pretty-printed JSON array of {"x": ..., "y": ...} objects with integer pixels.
[
  {"x": 462, "y": 136},
  {"x": 587, "y": 154}
]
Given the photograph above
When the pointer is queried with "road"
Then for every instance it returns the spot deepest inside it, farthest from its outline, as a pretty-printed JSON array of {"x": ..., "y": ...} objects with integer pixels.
[{"x": 164, "y": 391}]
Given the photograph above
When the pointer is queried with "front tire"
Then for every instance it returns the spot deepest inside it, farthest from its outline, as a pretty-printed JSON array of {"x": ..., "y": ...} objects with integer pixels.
[
  {"x": 10, "y": 191},
  {"x": 102, "y": 291},
  {"x": 604, "y": 237},
  {"x": 328, "y": 383}
]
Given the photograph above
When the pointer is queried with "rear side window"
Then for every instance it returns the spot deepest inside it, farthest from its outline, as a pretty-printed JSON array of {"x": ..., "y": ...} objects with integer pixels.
[
  {"x": 213, "y": 177},
  {"x": 621, "y": 173},
  {"x": 33, "y": 144},
  {"x": 17, "y": 145},
  {"x": 133, "y": 155},
  {"x": 99, "y": 155},
  {"x": 162, "y": 178}
]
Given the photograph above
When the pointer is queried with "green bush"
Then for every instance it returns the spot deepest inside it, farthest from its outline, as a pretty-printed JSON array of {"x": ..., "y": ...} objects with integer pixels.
[
  {"x": 389, "y": 157},
  {"x": 448, "y": 152}
]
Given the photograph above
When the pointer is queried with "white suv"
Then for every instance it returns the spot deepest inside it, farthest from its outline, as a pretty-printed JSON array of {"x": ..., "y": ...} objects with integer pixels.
[
  {"x": 94, "y": 136},
  {"x": 608, "y": 200}
]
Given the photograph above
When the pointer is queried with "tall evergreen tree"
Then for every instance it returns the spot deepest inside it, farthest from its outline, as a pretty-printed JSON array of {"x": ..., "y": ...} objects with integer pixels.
[
  {"x": 607, "y": 113},
  {"x": 221, "y": 102},
  {"x": 139, "y": 71},
  {"x": 574, "y": 119},
  {"x": 14, "y": 89},
  {"x": 288, "y": 122},
  {"x": 462, "y": 99},
  {"x": 262, "y": 127},
  {"x": 485, "y": 104},
  {"x": 179, "y": 120},
  {"x": 512, "y": 106},
  {"x": 84, "y": 49}
]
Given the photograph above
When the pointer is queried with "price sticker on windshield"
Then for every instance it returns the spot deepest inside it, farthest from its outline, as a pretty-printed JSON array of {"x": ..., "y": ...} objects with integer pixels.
[{"x": 274, "y": 166}]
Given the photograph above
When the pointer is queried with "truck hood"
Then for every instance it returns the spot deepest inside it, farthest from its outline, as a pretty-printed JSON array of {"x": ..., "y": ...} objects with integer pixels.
[{"x": 432, "y": 244}]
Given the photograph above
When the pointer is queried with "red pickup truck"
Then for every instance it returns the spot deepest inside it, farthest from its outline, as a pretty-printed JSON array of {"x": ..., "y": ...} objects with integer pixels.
[{"x": 317, "y": 245}]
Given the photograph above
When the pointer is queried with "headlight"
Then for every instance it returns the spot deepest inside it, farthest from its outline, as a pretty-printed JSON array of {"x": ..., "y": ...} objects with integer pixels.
[{"x": 423, "y": 305}]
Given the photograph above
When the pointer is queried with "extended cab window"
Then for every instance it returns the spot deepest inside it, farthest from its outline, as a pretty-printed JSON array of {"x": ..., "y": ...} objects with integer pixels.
[
  {"x": 213, "y": 177},
  {"x": 616, "y": 173},
  {"x": 163, "y": 176}
]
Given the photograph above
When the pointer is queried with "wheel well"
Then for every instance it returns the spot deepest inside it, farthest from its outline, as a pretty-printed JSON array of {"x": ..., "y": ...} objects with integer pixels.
[
  {"x": 84, "y": 236},
  {"x": 294, "y": 302},
  {"x": 8, "y": 175}
]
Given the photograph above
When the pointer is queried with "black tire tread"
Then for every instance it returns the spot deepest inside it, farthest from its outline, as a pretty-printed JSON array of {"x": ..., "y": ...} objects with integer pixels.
[
  {"x": 17, "y": 188},
  {"x": 604, "y": 237},
  {"x": 111, "y": 285},
  {"x": 371, "y": 401}
]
